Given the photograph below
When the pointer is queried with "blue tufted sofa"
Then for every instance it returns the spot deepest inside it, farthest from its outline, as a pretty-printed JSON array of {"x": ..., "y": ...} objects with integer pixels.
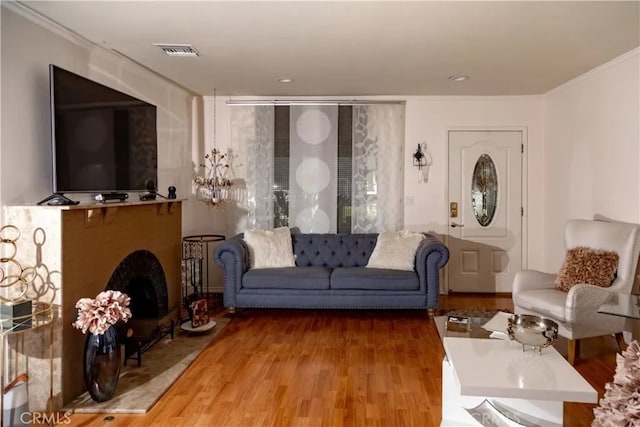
[{"x": 330, "y": 273}]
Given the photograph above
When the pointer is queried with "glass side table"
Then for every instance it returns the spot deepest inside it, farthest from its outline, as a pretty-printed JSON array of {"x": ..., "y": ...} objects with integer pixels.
[
  {"x": 42, "y": 315},
  {"x": 622, "y": 305}
]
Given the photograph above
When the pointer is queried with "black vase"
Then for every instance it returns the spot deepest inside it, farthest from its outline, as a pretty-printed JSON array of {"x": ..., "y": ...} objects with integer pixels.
[{"x": 102, "y": 364}]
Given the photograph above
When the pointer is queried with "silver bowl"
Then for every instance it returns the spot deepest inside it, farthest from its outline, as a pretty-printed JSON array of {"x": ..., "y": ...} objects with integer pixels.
[{"x": 534, "y": 331}]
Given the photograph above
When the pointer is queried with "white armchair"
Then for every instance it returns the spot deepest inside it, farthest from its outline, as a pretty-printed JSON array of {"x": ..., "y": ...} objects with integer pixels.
[{"x": 576, "y": 311}]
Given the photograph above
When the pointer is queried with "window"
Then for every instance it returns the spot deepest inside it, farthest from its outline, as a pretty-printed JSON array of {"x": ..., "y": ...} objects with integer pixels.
[{"x": 321, "y": 168}]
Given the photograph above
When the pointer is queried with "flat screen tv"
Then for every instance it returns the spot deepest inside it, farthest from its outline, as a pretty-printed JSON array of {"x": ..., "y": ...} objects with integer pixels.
[{"x": 103, "y": 141}]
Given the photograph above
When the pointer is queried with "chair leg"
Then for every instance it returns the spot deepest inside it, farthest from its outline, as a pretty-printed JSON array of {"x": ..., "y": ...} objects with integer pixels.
[
  {"x": 620, "y": 341},
  {"x": 573, "y": 350}
]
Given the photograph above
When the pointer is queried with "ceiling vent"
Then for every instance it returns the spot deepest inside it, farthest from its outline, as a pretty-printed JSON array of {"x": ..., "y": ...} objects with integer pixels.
[{"x": 177, "y": 49}]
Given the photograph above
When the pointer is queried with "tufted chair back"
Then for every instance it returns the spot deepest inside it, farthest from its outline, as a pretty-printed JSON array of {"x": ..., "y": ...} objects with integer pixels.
[
  {"x": 618, "y": 237},
  {"x": 333, "y": 250}
]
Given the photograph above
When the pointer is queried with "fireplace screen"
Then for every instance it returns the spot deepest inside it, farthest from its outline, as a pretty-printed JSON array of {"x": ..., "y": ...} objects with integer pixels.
[{"x": 140, "y": 275}]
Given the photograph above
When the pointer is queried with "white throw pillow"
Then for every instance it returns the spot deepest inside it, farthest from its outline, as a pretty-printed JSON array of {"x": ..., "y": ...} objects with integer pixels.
[
  {"x": 395, "y": 250},
  {"x": 270, "y": 248}
]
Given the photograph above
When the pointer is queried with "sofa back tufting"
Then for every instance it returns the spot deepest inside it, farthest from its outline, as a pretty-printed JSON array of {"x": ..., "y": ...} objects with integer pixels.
[{"x": 333, "y": 250}]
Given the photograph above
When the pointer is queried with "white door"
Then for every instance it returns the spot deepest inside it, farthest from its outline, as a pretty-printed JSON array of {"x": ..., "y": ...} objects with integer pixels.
[{"x": 485, "y": 210}]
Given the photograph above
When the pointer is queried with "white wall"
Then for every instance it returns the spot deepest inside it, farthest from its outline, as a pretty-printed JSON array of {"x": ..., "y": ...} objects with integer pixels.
[
  {"x": 427, "y": 120},
  {"x": 582, "y": 160},
  {"x": 27, "y": 49},
  {"x": 592, "y": 150}
]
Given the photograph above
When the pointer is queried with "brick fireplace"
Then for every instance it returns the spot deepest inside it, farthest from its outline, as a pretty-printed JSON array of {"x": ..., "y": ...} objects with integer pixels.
[{"x": 76, "y": 251}]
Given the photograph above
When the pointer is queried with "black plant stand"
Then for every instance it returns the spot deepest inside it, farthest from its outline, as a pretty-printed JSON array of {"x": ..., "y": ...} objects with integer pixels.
[{"x": 196, "y": 252}]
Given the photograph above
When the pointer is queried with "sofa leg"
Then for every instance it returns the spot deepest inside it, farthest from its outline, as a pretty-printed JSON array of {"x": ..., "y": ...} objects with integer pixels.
[
  {"x": 232, "y": 310},
  {"x": 431, "y": 312}
]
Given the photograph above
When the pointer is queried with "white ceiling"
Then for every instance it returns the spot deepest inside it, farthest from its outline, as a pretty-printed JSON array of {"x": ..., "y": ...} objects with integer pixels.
[{"x": 359, "y": 48}]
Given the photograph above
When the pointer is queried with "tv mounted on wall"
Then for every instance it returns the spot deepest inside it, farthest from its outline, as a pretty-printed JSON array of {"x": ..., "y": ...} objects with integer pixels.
[{"x": 102, "y": 141}]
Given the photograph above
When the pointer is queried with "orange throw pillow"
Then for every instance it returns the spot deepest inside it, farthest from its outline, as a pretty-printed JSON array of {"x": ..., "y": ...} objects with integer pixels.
[{"x": 585, "y": 265}]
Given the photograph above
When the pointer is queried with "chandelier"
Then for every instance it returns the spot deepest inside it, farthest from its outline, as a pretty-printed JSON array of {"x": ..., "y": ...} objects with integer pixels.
[{"x": 213, "y": 187}]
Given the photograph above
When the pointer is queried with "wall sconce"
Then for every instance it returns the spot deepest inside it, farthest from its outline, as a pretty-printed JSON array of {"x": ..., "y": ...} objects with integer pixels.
[
  {"x": 419, "y": 159},
  {"x": 422, "y": 160}
]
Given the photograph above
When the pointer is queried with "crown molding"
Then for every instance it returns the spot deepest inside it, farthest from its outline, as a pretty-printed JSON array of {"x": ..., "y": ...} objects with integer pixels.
[
  {"x": 627, "y": 56},
  {"x": 22, "y": 9},
  {"x": 358, "y": 100}
]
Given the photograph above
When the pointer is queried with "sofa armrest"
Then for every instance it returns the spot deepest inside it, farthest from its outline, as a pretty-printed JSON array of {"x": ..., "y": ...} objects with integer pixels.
[
  {"x": 431, "y": 256},
  {"x": 233, "y": 257}
]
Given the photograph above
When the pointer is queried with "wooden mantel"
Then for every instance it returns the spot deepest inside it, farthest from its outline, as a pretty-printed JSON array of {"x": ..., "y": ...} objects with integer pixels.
[{"x": 75, "y": 249}]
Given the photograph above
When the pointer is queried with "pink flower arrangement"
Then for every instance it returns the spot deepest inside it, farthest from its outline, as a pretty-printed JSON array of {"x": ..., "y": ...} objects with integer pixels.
[
  {"x": 97, "y": 315},
  {"x": 620, "y": 405}
]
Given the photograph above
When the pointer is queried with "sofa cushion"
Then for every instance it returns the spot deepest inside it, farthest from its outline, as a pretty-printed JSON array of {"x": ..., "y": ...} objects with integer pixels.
[
  {"x": 287, "y": 278},
  {"x": 396, "y": 250},
  {"x": 374, "y": 279},
  {"x": 270, "y": 248}
]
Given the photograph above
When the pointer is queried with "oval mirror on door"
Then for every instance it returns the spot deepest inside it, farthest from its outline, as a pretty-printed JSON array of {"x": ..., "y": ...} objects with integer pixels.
[{"x": 484, "y": 190}]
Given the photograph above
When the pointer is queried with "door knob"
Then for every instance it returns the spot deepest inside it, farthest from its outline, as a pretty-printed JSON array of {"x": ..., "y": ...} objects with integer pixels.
[{"x": 455, "y": 224}]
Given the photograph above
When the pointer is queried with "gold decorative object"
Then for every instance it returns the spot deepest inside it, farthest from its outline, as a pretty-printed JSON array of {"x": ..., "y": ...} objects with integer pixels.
[
  {"x": 14, "y": 278},
  {"x": 213, "y": 187}
]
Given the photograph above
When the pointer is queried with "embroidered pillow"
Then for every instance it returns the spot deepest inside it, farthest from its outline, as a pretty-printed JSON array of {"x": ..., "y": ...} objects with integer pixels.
[
  {"x": 585, "y": 265},
  {"x": 270, "y": 248},
  {"x": 395, "y": 250}
]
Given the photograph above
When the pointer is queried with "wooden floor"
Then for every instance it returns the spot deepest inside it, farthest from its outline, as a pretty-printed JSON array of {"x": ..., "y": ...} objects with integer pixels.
[{"x": 329, "y": 368}]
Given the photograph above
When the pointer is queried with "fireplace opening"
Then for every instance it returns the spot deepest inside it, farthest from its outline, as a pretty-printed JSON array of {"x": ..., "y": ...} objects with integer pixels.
[
  {"x": 141, "y": 276},
  {"x": 143, "y": 297}
]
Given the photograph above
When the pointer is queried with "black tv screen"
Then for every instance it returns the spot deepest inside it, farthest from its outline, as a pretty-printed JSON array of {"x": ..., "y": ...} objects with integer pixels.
[{"x": 102, "y": 140}]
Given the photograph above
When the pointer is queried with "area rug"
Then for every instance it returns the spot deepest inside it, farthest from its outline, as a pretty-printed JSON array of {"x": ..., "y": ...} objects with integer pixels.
[
  {"x": 471, "y": 312},
  {"x": 139, "y": 388}
]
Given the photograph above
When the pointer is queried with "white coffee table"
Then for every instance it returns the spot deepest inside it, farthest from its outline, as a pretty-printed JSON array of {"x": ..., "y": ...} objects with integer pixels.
[{"x": 529, "y": 389}]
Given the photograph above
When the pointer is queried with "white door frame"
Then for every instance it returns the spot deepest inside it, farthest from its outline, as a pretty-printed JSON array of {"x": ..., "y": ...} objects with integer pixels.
[{"x": 524, "y": 219}]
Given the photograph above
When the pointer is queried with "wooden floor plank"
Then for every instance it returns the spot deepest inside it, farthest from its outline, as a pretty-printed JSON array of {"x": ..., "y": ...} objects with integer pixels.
[{"x": 330, "y": 368}]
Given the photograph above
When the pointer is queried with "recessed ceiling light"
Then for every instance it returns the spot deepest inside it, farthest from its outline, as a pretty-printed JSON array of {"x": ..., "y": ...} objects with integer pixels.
[
  {"x": 285, "y": 80},
  {"x": 458, "y": 78}
]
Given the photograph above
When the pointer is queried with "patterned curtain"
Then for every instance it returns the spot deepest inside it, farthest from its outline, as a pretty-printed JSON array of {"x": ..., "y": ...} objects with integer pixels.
[
  {"x": 252, "y": 134},
  {"x": 378, "y": 168},
  {"x": 312, "y": 192},
  {"x": 313, "y": 166}
]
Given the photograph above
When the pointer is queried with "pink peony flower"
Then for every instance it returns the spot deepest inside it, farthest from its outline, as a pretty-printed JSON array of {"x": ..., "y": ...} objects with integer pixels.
[{"x": 97, "y": 315}]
